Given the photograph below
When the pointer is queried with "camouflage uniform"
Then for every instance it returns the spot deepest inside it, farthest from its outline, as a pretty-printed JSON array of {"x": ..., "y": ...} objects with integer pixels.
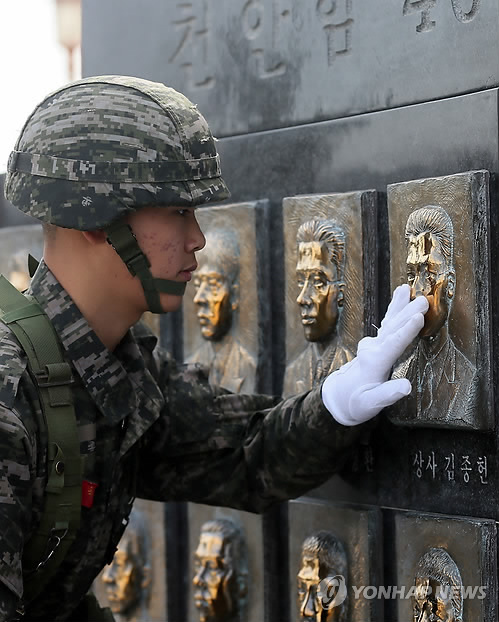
[
  {"x": 149, "y": 427},
  {"x": 89, "y": 154}
]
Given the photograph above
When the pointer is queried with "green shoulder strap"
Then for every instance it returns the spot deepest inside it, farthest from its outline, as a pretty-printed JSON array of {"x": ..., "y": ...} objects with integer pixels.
[{"x": 60, "y": 521}]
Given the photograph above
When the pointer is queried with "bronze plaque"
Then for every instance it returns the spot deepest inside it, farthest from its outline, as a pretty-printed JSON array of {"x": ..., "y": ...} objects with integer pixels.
[
  {"x": 15, "y": 245},
  {"x": 439, "y": 244},
  {"x": 343, "y": 542},
  {"x": 329, "y": 300},
  {"x": 226, "y": 304},
  {"x": 233, "y": 590},
  {"x": 445, "y": 564},
  {"x": 134, "y": 584}
]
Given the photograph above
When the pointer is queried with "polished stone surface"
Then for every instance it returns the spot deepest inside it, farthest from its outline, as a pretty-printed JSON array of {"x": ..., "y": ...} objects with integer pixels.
[{"x": 277, "y": 63}]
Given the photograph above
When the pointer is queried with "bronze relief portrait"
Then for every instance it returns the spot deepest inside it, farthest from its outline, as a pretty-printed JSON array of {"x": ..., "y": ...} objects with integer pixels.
[
  {"x": 223, "y": 309},
  {"x": 446, "y": 566},
  {"x": 333, "y": 547},
  {"x": 435, "y": 242},
  {"x": 226, "y": 574},
  {"x": 216, "y": 282},
  {"x": 325, "y": 278},
  {"x": 439, "y": 588},
  {"x": 128, "y": 578},
  {"x": 321, "y": 581},
  {"x": 220, "y": 582}
]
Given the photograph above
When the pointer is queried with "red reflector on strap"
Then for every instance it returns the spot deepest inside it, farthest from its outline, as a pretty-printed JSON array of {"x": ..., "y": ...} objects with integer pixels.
[{"x": 87, "y": 493}]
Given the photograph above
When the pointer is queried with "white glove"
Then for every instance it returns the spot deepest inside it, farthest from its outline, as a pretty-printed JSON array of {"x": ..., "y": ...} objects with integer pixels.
[{"x": 360, "y": 389}]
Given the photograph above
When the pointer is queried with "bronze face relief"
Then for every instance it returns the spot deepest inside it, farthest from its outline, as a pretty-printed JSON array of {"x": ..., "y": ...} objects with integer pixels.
[
  {"x": 321, "y": 580},
  {"x": 320, "y": 278},
  {"x": 217, "y": 305},
  {"x": 128, "y": 578},
  {"x": 221, "y": 573},
  {"x": 439, "y": 588},
  {"x": 446, "y": 381}
]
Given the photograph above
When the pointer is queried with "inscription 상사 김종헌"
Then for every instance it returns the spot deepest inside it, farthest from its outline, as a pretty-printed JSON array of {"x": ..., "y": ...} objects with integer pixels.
[
  {"x": 451, "y": 467},
  {"x": 425, "y": 6},
  {"x": 192, "y": 48}
]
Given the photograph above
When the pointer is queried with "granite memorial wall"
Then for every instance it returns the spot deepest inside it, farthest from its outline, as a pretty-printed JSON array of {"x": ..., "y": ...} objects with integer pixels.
[{"x": 374, "y": 124}]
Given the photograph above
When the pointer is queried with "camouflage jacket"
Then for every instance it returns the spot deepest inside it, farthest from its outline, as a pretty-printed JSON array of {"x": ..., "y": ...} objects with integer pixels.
[{"x": 147, "y": 426}]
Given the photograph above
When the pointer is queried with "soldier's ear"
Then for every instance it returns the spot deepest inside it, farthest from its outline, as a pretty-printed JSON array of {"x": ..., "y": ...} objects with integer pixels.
[{"x": 451, "y": 284}]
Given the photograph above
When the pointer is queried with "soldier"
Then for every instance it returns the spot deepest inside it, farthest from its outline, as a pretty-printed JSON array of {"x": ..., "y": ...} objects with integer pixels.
[{"x": 114, "y": 168}]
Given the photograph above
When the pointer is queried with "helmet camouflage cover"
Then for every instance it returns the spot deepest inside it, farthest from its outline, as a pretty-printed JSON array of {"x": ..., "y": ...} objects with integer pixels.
[{"x": 104, "y": 146}]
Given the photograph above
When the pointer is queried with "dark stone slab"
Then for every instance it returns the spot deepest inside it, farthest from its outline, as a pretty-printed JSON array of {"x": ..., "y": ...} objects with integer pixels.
[
  {"x": 275, "y": 63},
  {"x": 368, "y": 151}
]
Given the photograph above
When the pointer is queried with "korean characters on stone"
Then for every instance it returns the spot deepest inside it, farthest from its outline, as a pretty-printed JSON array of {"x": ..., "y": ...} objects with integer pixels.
[
  {"x": 328, "y": 295},
  {"x": 439, "y": 246},
  {"x": 224, "y": 309}
]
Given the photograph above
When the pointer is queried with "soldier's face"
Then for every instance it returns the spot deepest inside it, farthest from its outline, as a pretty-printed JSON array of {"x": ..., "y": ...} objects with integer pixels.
[
  {"x": 428, "y": 275},
  {"x": 433, "y": 602},
  {"x": 319, "y": 291},
  {"x": 122, "y": 579},
  {"x": 312, "y": 604},
  {"x": 214, "y": 580},
  {"x": 213, "y": 300},
  {"x": 170, "y": 237}
]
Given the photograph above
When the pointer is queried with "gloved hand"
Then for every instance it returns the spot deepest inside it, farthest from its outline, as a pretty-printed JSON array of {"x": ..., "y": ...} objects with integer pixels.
[{"x": 360, "y": 389}]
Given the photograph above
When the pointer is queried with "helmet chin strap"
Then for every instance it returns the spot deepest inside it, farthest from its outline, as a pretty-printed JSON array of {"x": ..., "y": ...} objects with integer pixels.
[{"x": 124, "y": 242}]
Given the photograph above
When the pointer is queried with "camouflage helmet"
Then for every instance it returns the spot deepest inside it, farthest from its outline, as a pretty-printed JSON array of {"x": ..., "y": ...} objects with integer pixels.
[{"x": 100, "y": 147}]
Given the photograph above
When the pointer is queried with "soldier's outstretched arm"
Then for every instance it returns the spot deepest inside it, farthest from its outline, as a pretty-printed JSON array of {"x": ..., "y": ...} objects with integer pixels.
[
  {"x": 224, "y": 449},
  {"x": 233, "y": 450},
  {"x": 15, "y": 508}
]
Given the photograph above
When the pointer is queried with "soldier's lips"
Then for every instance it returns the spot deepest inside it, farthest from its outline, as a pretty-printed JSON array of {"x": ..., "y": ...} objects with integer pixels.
[{"x": 186, "y": 275}]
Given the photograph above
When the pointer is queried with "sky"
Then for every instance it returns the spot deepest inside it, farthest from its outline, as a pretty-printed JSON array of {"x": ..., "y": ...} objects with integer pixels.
[{"x": 33, "y": 63}]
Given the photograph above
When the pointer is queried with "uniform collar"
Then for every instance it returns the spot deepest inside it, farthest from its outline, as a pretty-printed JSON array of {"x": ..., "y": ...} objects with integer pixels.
[{"x": 115, "y": 380}]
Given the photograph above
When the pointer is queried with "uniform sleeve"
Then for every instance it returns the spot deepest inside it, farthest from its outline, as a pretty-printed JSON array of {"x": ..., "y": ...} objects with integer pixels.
[
  {"x": 15, "y": 508},
  {"x": 241, "y": 451}
]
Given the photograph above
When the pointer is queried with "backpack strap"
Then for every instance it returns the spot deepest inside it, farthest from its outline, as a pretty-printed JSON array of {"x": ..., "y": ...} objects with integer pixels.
[{"x": 60, "y": 521}]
